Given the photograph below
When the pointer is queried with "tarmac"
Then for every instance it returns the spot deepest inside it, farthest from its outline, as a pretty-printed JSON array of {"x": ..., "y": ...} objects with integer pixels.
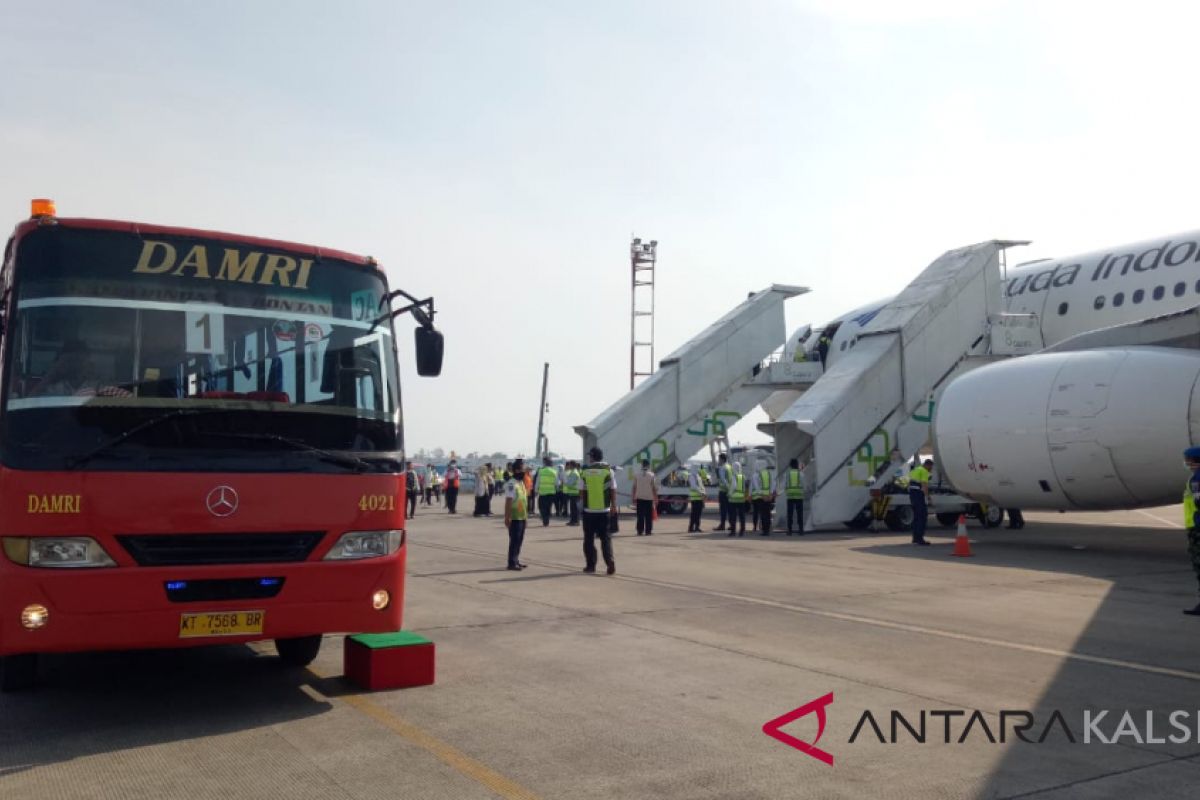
[{"x": 657, "y": 682}]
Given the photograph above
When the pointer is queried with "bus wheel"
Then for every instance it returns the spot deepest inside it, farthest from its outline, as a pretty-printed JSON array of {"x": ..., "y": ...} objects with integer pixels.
[
  {"x": 860, "y": 522},
  {"x": 947, "y": 519},
  {"x": 899, "y": 518},
  {"x": 298, "y": 652},
  {"x": 17, "y": 672}
]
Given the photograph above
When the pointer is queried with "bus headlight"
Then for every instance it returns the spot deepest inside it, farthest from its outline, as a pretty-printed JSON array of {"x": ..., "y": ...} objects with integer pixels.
[
  {"x": 365, "y": 544},
  {"x": 69, "y": 552}
]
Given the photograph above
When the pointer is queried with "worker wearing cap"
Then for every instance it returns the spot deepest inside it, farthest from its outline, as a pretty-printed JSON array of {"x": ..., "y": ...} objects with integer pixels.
[
  {"x": 1191, "y": 514},
  {"x": 598, "y": 496},
  {"x": 918, "y": 496},
  {"x": 516, "y": 514}
]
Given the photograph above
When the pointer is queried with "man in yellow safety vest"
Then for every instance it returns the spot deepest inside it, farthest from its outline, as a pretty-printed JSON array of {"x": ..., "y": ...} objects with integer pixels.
[
  {"x": 598, "y": 495},
  {"x": 793, "y": 488},
  {"x": 762, "y": 489},
  {"x": 545, "y": 486},
  {"x": 1191, "y": 517},
  {"x": 739, "y": 499}
]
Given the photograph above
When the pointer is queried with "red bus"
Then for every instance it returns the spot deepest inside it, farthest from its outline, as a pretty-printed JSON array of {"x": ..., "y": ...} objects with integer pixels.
[{"x": 200, "y": 441}]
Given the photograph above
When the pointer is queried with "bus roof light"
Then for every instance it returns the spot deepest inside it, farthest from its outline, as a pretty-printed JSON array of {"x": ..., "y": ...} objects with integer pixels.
[{"x": 42, "y": 207}]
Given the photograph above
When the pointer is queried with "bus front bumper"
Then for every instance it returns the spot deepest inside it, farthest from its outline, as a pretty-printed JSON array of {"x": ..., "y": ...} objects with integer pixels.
[{"x": 128, "y": 608}]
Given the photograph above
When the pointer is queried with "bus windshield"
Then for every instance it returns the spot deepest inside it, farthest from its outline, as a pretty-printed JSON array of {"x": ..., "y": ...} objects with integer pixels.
[{"x": 252, "y": 358}]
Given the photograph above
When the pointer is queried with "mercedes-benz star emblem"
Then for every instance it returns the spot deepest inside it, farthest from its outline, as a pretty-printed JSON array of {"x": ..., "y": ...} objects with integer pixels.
[{"x": 222, "y": 501}]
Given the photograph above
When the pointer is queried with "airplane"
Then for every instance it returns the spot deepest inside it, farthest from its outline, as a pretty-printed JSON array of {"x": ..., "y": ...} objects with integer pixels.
[{"x": 1098, "y": 416}]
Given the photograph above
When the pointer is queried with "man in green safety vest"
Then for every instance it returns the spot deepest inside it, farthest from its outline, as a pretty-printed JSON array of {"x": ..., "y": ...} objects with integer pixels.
[
  {"x": 598, "y": 496},
  {"x": 918, "y": 496},
  {"x": 571, "y": 490},
  {"x": 793, "y": 489},
  {"x": 696, "y": 496},
  {"x": 762, "y": 490},
  {"x": 545, "y": 486},
  {"x": 1191, "y": 514},
  {"x": 739, "y": 500}
]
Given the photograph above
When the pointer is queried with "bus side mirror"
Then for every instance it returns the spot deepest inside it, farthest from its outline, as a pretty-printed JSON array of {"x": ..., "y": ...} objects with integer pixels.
[{"x": 430, "y": 347}]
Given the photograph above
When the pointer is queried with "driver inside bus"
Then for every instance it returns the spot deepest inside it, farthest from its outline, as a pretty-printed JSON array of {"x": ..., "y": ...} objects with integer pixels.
[{"x": 72, "y": 373}]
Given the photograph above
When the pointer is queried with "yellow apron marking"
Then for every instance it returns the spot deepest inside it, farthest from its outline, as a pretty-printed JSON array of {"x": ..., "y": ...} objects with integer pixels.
[{"x": 445, "y": 752}]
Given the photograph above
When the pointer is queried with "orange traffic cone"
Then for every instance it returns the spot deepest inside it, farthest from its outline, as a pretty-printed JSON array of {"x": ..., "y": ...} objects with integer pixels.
[{"x": 962, "y": 545}]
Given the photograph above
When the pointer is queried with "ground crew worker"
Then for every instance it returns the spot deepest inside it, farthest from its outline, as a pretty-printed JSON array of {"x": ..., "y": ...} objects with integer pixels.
[
  {"x": 571, "y": 490},
  {"x": 599, "y": 498},
  {"x": 645, "y": 495},
  {"x": 516, "y": 514},
  {"x": 560, "y": 497},
  {"x": 918, "y": 496},
  {"x": 1016, "y": 520},
  {"x": 823, "y": 348},
  {"x": 696, "y": 495},
  {"x": 1191, "y": 514},
  {"x": 546, "y": 487},
  {"x": 724, "y": 481},
  {"x": 762, "y": 489},
  {"x": 412, "y": 488},
  {"x": 793, "y": 489},
  {"x": 431, "y": 480},
  {"x": 739, "y": 498}
]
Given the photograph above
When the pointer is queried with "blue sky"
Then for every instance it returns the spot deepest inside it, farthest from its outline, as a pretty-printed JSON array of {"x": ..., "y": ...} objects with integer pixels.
[{"x": 499, "y": 155}]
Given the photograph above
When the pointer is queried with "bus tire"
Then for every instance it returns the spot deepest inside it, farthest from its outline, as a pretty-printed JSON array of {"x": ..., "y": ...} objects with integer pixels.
[
  {"x": 18, "y": 672},
  {"x": 861, "y": 521},
  {"x": 677, "y": 506},
  {"x": 899, "y": 518},
  {"x": 948, "y": 519},
  {"x": 298, "y": 652}
]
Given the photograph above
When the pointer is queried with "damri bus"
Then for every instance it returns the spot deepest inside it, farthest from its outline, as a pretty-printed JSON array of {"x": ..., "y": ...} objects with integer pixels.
[{"x": 200, "y": 441}]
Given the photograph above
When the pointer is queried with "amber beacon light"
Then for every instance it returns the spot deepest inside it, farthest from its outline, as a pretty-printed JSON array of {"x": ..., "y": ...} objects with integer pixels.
[{"x": 42, "y": 207}]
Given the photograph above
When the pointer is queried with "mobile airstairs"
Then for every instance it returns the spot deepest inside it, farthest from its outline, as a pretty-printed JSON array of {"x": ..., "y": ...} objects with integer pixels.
[{"x": 876, "y": 397}]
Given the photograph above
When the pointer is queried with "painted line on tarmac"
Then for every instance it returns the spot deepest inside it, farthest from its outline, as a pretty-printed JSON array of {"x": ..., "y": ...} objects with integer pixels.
[
  {"x": 1117, "y": 663},
  {"x": 443, "y": 751}
]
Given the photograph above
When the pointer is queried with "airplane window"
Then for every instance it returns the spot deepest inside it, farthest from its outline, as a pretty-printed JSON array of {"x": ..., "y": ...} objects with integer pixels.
[
  {"x": 1062, "y": 309},
  {"x": 1180, "y": 288},
  {"x": 1099, "y": 304},
  {"x": 1197, "y": 287},
  {"x": 1138, "y": 295},
  {"x": 1159, "y": 292},
  {"x": 1118, "y": 299},
  {"x": 843, "y": 347}
]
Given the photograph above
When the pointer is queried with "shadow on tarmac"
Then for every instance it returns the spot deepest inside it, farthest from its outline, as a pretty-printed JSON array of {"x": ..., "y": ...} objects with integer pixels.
[
  {"x": 1137, "y": 630},
  {"x": 94, "y": 703}
]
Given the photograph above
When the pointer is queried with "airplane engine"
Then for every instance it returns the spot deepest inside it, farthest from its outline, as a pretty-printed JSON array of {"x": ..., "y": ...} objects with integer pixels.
[{"x": 1092, "y": 429}]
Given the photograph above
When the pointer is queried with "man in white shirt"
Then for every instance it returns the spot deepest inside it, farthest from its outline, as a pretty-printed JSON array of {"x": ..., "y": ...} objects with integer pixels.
[{"x": 645, "y": 495}]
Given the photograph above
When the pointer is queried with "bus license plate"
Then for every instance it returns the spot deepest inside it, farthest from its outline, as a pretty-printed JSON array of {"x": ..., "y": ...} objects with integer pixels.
[{"x": 221, "y": 623}]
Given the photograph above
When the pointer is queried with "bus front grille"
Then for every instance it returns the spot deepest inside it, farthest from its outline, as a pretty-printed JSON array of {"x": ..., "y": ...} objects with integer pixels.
[{"x": 188, "y": 549}]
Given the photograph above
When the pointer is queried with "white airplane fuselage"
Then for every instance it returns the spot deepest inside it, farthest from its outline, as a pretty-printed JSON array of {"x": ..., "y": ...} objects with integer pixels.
[{"x": 1086, "y": 429}]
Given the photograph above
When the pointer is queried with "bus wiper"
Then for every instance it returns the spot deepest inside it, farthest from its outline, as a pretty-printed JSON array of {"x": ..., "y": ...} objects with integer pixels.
[
  {"x": 79, "y": 461},
  {"x": 357, "y": 464}
]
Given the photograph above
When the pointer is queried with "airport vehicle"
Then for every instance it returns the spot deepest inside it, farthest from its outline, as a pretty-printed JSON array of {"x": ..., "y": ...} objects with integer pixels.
[
  {"x": 200, "y": 441},
  {"x": 1057, "y": 384}
]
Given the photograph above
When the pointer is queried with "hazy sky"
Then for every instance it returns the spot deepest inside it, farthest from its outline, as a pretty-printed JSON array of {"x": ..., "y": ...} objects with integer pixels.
[{"x": 498, "y": 155}]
